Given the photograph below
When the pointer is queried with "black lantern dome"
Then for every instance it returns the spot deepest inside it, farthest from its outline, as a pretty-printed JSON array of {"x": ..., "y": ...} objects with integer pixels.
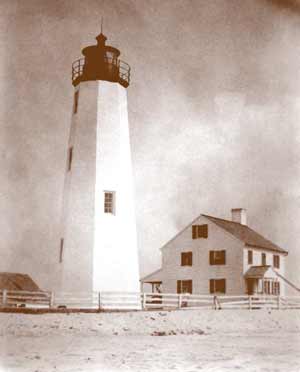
[{"x": 101, "y": 62}]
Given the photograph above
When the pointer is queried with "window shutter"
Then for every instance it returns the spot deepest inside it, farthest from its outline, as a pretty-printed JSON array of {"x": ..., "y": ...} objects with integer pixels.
[
  {"x": 191, "y": 258},
  {"x": 211, "y": 257},
  {"x": 250, "y": 257},
  {"x": 194, "y": 231},
  {"x": 205, "y": 231},
  {"x": 276, "y": 261},
  {"x": 190, "y": 286},
  {"x": 199, "y": 231},
  {"x": 223, "y": 285},
  {"x": 211, "y": 286},
  {"x": 178, "y": 286},
  {"x": 224, "y": 257}
]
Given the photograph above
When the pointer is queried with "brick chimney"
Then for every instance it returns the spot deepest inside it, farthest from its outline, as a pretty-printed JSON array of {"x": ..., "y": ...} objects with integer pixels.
[{"x": 239, "y": 215}]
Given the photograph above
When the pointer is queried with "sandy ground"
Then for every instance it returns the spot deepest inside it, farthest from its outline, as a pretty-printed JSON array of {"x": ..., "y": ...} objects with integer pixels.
[{"x": 228, "y": 340}]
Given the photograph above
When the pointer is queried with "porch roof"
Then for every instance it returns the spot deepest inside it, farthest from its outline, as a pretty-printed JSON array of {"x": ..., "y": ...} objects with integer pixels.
[
  {"x": 155, "y": 277},
  {"x": 257, "y": 272}
]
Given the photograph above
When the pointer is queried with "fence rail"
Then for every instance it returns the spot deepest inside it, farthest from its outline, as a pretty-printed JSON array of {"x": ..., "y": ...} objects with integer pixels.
[{"x": 141, "y": 301}]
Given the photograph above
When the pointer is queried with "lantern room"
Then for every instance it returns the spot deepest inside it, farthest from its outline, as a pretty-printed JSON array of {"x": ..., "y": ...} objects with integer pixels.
[{"x": 101, "y": 62}]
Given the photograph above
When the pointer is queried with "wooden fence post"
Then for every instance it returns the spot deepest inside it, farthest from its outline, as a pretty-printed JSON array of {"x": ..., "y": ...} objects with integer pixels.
[
  {"x": 218, "y": 303},
  {"x": 4, "y": 298},
  {"x": 250, "y": 302},
  {"x": 179, "y": 301},
  {"x": 51, "y": 300},
  {"x": 99, "y": 301},
  {"x": 144, "y": 301},
  {"x": 215, "y": 303}
]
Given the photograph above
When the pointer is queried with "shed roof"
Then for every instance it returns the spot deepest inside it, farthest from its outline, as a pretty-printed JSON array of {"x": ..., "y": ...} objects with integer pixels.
[
  {"x": 17, "y": 282},
  {"x": 154, "y": 277},
  {"x": 242, "y": 232}
]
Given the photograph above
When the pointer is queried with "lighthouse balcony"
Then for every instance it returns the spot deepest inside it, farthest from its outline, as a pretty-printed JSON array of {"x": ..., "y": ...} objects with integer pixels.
[{"x": 109, "y": 69}]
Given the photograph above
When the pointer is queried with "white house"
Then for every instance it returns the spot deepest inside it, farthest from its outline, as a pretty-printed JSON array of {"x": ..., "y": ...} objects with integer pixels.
[{"x": 216, "y": 256}]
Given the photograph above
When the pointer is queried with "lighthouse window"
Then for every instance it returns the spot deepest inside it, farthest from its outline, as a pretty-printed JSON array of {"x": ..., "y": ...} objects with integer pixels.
[
  {"x": 76, "y": 95},
  {"x": 109, "y": 202},
  {"x": 70, "y": 157},
  {"x": 61, "y": 250}
]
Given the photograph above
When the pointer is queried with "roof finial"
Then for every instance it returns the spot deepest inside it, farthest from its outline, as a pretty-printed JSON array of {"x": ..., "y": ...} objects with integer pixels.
[{"x": 101, "y": 38}]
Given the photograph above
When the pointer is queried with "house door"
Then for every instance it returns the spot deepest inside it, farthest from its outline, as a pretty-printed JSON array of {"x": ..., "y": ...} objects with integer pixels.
[{"x": 251, "y": 286}]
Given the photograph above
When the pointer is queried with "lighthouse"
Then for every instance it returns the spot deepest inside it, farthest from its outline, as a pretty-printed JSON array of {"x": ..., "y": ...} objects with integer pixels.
[{"x": 98, "y": 244}]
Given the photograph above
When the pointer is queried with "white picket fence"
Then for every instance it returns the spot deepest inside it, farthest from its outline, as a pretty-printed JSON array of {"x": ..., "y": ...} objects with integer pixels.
[{"x": 99, "y": 301}]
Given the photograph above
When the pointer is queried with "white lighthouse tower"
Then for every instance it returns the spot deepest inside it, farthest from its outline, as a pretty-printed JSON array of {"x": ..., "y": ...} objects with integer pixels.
[{"x": 98, "y": 248}]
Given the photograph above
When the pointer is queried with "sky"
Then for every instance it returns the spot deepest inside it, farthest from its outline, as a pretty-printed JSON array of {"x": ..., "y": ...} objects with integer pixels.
[{"x": 214, "y": 113}]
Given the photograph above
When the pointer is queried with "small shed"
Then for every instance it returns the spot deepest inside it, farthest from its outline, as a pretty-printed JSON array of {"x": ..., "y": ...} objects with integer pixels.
[{"x": 17, "y": 282}]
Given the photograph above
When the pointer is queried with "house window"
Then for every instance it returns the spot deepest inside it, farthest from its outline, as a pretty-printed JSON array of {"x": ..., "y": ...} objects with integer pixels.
[
  {"x": 199, "y": 231},
  {"x": 267, "y": 287},
  {"x": 61, "y": 250},
  {"x": 271, "y": 286},
  {"x": 276, "y": 288},
  {"x": 263, "y": 259},
  {"x": 109, "y": 202},
  {"x": 250, "y": 257},
  {"x": 217, "y": 257},
  {"x": 186, "y": 258},
  {"x": 76, "y": 96},
  {"x": 276, "y": 261},
  {"x": 217, "y": 286},
  {"x": 184, "y": 286},
  {"x": 70, "y": 158}
]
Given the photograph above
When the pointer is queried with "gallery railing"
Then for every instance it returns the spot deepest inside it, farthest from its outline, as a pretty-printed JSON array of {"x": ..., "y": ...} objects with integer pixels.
[{"x": 109, "y": 65}]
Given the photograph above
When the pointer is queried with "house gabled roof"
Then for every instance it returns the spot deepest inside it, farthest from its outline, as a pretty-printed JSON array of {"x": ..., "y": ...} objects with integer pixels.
[
  {"x": 181, "y": 231},
  {"x": 242, "y": 232}
]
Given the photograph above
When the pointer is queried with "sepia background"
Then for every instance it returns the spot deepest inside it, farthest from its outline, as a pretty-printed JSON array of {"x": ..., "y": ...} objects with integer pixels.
[{"x": 214, "y": 110}]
